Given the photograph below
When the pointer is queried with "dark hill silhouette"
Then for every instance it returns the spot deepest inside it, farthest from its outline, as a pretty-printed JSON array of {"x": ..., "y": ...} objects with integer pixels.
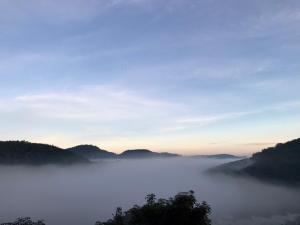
[
  {"x": 279, "y": 164},
  {"x": 218, "y": 156},
  {"x": 91, "y": 152},
  {"x": 22, "y": 152},
  {"x": 144, "y": 153}
]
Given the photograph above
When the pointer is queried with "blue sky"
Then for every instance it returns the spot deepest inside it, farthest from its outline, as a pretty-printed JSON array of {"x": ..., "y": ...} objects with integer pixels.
[{"x": 187, "y": 76}]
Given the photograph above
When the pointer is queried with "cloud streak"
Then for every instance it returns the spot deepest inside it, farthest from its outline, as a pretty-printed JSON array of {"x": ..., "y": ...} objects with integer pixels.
[{"x": 93, "y": 103}]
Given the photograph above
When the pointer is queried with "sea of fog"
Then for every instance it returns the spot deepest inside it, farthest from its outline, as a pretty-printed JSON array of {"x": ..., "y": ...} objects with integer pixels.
[{"x": 81, "y": 195}]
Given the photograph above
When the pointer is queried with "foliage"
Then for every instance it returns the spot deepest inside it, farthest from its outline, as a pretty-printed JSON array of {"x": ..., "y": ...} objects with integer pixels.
[
  {"x": 279, "y": 163},
  {"x": 183, "y": 209},
  {"x": 25, "y": 221}
]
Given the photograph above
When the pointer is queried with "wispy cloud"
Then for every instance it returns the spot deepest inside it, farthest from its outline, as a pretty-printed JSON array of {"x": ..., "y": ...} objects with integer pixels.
[
  {"x": 92, "y": 103},
  {"x": 206, "y": 120},
  {"x": 211, "y": 119}
]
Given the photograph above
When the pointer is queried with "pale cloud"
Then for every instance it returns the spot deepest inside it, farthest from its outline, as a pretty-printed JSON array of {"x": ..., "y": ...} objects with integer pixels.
[
  {"x": 90, "y": 103},
  {"x": 212, "y": 119},
  {"x": 206, "y": 120},
  {"x": 103, "y": 103},
  {"x": 203, "y": 70}
]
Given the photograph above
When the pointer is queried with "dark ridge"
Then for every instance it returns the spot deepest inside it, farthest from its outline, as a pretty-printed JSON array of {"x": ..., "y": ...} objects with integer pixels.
[
  {"x": 144, "y": 153},
  {"x": 91, "y": 152},
  {"x": 26, "y": 153},
  {"x": 277, "y": 164}
]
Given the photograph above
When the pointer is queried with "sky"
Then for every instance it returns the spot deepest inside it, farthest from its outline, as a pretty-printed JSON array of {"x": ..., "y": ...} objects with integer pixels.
[{"x": 184, "y": 76}]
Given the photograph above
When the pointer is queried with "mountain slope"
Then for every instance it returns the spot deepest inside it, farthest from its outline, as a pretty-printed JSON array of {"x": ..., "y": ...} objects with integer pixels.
[
  {"x": 280, "y": 163},
  {"x": 91, "y": 152},
  {"x": 21, "y": 152}
]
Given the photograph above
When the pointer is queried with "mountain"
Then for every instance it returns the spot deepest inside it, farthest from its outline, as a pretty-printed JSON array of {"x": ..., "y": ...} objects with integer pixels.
[
  {"x": 217, "y": 156},
  {"x": 91, "y": 152},
  {"x": 144, "y": 153},
  {"x": 280, "y": 163},
  {"x": 26, "y": 153}
]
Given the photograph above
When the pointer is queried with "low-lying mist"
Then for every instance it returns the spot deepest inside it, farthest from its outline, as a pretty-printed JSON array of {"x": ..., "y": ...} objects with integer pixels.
[{"x": 81, "y": 195}]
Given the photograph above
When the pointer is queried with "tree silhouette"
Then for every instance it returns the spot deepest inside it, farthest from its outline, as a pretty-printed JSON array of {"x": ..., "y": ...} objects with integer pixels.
[{"x": 183, "y": 209}]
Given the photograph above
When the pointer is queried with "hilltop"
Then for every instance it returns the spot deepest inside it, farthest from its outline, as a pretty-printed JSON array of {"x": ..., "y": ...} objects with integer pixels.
[
  {"x": 280, "y": 163},
  {"x": 26, "y": 153},
  {"x": 91, "y": 152},
  {"x": 145, "y": 153}
]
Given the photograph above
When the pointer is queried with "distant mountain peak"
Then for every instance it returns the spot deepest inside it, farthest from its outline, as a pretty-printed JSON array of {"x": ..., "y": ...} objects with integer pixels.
[
  {"x": 144, "y": 153},
  {"x": 85, "y": 147},
  {"x": 138, "y": 151},
  {"x": 91, "y": 152}
]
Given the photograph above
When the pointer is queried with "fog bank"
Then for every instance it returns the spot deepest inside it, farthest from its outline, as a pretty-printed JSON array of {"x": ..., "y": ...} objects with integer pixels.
[{"x": 80, "y": 195}]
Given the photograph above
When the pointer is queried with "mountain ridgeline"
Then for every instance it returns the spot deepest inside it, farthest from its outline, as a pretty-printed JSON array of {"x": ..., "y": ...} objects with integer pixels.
[
  {"x": 93, "y": 152},
  {"x": 26, "y": 153},
  {"x": 280, "y": 163}
]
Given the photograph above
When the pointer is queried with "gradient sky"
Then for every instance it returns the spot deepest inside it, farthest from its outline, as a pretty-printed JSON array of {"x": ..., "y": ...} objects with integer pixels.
[{"x": 187, "y": 76}]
